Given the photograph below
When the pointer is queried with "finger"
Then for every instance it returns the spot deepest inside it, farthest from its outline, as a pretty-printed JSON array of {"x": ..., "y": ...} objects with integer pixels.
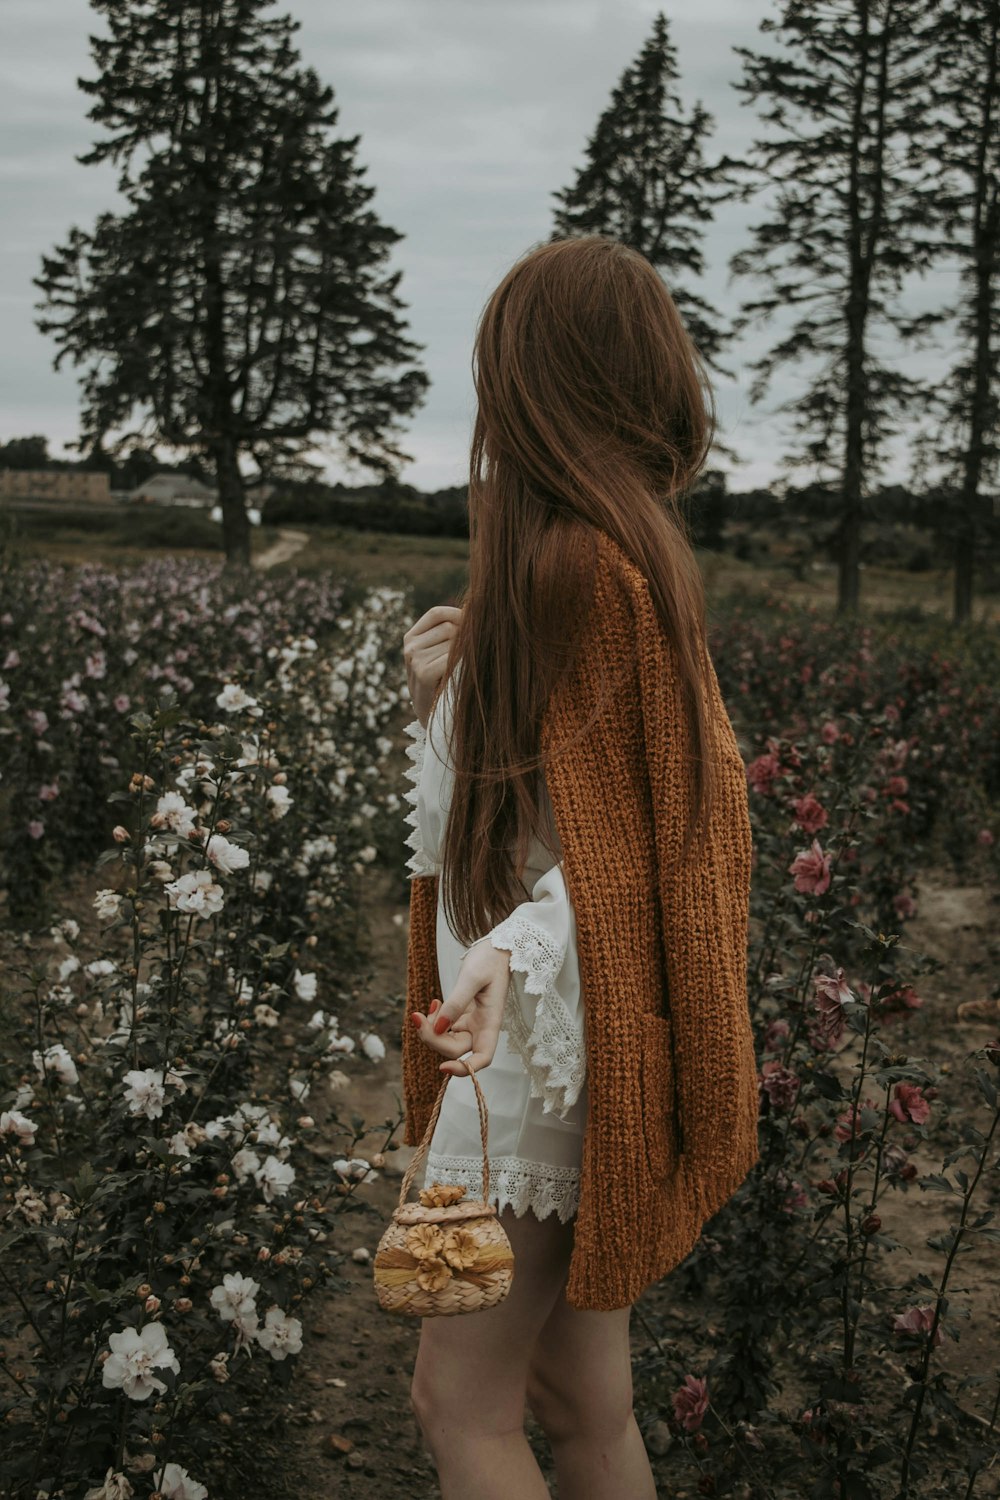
[
  {"x": 458, "y": 1002},
  {"x": 451, "y": 1044},
  {"x": 476, "y": 1060}
]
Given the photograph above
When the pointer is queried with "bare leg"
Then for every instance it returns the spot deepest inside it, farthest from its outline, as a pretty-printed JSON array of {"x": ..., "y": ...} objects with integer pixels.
[
  {"x": 580, "y": 1391},
  {"x": 470, "y": 1375}
]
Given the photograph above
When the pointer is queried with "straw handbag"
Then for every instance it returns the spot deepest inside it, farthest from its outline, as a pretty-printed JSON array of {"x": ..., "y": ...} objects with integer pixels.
[{"x": 445, "y": 1254}]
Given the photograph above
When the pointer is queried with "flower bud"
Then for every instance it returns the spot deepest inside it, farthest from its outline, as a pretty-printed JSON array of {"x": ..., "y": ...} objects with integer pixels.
[{"x": 120, "y": 835}]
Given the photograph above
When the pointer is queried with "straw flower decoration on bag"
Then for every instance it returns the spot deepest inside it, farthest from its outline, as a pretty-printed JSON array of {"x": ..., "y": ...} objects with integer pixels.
[{"x": 447, "y": 1253}]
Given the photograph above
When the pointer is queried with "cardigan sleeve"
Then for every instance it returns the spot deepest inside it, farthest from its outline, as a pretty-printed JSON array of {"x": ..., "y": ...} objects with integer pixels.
[
  {"x": 704, "y": 911},
  {"x": 546, "y": 1032}
]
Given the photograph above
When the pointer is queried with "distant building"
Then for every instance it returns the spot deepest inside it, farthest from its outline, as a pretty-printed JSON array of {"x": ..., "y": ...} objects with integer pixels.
[
  {"x": 56, "y": 484},
  {"x": 166, "y": 488}
]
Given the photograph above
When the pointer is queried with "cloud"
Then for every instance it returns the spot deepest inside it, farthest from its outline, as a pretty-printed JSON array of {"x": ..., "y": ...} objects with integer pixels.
[{"x": 471, "y": 114}]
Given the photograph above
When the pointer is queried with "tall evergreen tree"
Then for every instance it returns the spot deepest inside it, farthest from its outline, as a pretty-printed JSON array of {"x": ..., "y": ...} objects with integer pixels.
[
  {"x": 962, "y": 40},
  {"x": 240, "y": 302},
  {"x": 645, "y": 181},
  {"x": 844, "y": 93}
]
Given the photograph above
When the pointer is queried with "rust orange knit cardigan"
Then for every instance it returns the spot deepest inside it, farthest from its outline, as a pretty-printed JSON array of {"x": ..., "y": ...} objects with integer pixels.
[{"x": 671, "y": 1127}]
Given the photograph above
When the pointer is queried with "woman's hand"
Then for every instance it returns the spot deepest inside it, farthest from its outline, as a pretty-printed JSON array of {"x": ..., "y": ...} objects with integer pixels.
[
  {"x": 426, "y": 647},
  {"x": 470, "y": 1017}
]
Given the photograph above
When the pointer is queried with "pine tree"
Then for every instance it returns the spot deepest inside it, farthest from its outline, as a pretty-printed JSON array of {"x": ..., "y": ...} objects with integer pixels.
[
  {"x": 240, "y": 302},
  {"x": 962, "y": 40},
  {"x": 645, "y": 181},
  {"x": 845, "y": 95}
]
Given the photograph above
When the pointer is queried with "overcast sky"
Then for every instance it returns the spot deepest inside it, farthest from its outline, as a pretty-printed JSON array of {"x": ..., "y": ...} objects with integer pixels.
[{"x": 471, "y": 114}]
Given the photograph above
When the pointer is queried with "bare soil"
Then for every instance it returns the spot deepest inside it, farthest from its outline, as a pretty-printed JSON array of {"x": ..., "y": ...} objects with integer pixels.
[{"x": 349, "y": 1429}]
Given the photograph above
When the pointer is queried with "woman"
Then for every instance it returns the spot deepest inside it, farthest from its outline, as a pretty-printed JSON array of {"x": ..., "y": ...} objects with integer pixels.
[{"x": 579, "y": 876}]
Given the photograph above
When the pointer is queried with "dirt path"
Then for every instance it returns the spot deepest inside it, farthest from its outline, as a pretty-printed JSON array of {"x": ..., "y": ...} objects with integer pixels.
[{"x": 283, "y": 550}]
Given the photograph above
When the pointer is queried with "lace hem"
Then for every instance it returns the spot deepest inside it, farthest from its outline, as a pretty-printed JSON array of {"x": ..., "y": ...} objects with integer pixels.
[
  {"x": 514, "y": 1182},
  {"x": 419, "y": 862},
  {"x": 552, "y": 1047}
]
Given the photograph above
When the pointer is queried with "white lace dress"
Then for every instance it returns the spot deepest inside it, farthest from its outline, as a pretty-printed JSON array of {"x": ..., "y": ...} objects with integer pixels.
[{"x": 535, "y": 1088}]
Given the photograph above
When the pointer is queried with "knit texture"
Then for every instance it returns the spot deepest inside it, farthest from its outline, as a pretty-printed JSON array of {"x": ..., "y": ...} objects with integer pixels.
[{"x": 672, "y": 1115}]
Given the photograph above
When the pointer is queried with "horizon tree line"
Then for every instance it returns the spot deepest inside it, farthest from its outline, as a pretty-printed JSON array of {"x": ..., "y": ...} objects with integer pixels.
[{"x": 240, "y": 308}]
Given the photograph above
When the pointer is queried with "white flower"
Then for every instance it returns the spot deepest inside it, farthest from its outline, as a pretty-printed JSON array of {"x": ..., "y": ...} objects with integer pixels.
[
  {"x": 337, "y": 1080},
  {"x": 280, "y": 1335},
  {"x": 356, "y": 1168},
  {"x": 367, "y": 854},
  {"x": 133, "y": 1358},
  {"x": 274, "y": 1178},
  {"x": 68, "y": 966},
  {"x": 340, "y": 1044},
  {"x": 178, "y": 1144},
  {"x": 235, "y": 1297},
  {"x": 373, "y": 1046},
  {"x": 299, "y": 1088},
  {"x": 57, "y": 1062},
  {"x": 70, "y": 929},
  {"x": 100, "y": 968},
  {"x": 266, "y": 1015},
  {"x": 225, "y": 856},
  {"x": 246, "y": 1163},
  {"x": 161, "y": 871},
  {"x": 115, "y": 1487},
  {"x": 219, "y": 1367},
  {"x": 175, "y": 1483},
  {"x": 280, "y": 799},
  {"x": 233, "y": 699},
  {"x": 305, "y": 985},
  {"x": 197, "y": 893},
  {"x": 319, "y": 1020},
  {"x": 144, "y": 1092},
  {"x": 173, "y": 812},
  {"x": 12, "y": 1122}
]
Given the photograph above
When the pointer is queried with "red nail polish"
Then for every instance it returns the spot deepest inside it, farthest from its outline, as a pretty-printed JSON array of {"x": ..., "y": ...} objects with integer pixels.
[
  {"x": 414, "y": 1018},
  {"x": 441, "y": 1024}
]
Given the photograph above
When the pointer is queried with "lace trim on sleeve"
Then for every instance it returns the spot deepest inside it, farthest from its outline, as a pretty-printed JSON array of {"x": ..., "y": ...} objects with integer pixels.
[
  {"x": 552, "y": 1047},
  {"x": 419, "y": 862}
]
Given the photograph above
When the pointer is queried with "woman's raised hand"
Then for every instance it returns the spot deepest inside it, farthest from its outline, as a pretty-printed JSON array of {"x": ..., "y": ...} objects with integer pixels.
[
  {"x": 469, "y": 1020},
  {"x": 426, "y": 646}
]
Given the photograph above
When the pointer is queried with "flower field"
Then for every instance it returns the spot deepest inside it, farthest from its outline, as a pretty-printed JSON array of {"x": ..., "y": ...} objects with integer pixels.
[{"x": 202, "y": 827}]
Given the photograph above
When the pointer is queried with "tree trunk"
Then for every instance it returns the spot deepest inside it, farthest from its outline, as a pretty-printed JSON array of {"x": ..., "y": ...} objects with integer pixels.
[
  {"x": 232, "y": 499},
  {"x": 984, "y": 249}
]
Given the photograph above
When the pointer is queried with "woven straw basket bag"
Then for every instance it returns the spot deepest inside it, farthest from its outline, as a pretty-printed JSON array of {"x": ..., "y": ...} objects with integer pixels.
[{"x": 445, "y": 1254}]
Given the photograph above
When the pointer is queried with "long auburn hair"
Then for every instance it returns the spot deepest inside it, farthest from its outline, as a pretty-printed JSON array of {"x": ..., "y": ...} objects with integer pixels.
[{"x": 594, "y": 413}]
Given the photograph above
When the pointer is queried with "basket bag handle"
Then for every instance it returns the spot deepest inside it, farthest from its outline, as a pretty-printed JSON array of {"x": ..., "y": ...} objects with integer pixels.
[{"x": 421, "y": 1150}]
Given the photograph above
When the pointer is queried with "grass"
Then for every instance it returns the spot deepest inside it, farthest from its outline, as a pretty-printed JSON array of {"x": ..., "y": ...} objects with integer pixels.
[{"x": 435, "y": 568}]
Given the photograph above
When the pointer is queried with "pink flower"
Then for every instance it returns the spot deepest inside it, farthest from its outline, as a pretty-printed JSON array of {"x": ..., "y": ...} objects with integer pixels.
[
  {"x": 898, "y": 1002},
  {"x": 48, "y": 791},
  {"x": 829, "y": 734},
  {"x": 810, "y": 815},
  {"x": 38, "y": 720},
  {"x": 909, "y": 1104},
  {"x": 762, "y": 771},
  {"x": 780, "y": 1085},
  {"x": 811, "y": 868},
  {"x": 896, "y": 786},
  {"x": 917, "y": 1320},
  {"x": 122, "y": 702},
  {"x": 904, "y": 904},
  {"x": 775, "y": 1034},
  {"x": 849, "y": 1123},
  {"x": 984, "y": 837},
  {"x": 36, "y": 828},
  {"x": 691, "y": 1403},
  {"x": 832, "y": 993}
]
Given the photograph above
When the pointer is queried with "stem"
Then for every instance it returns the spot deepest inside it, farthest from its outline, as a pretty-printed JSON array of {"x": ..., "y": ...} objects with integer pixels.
[{"x": 929, "y": 1343}]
